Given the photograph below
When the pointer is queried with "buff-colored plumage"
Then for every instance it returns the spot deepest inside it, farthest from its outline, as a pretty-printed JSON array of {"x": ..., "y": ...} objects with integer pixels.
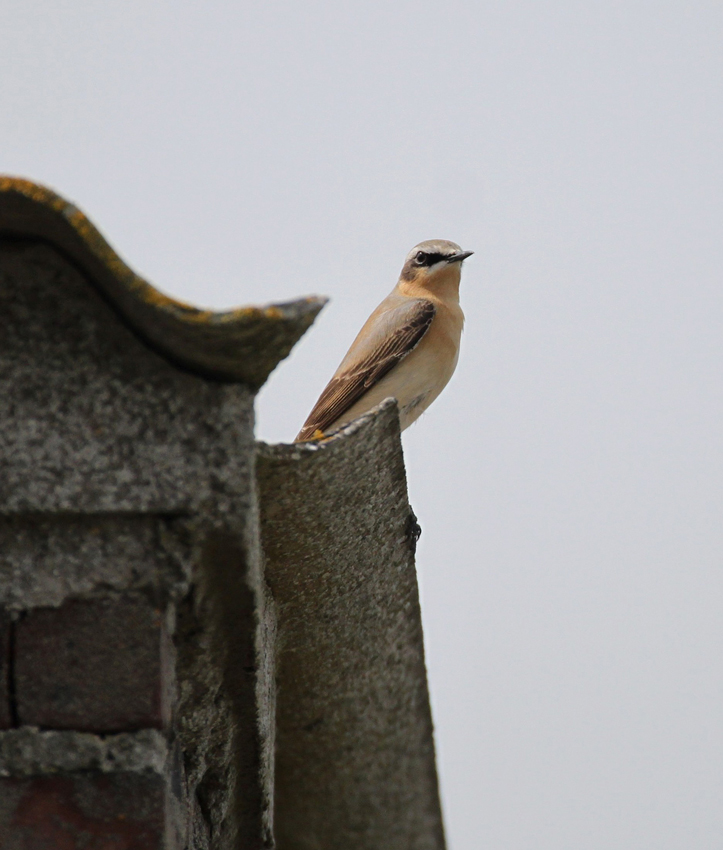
[{"x": 407, "y": 349}]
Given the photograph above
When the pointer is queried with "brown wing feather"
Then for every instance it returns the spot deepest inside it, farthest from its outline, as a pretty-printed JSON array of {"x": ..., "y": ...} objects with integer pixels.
[{"x": 347, "y": 388}]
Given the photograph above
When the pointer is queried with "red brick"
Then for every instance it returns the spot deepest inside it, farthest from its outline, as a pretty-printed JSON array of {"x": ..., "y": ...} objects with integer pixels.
[
  {"x": 6, "y": 720},
  {"x": 99, "y": 665},
  {"x": 122, "y": 811}
]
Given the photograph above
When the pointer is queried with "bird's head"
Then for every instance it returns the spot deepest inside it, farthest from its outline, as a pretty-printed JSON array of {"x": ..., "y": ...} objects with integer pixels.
[{"x": 434, "y": 264}]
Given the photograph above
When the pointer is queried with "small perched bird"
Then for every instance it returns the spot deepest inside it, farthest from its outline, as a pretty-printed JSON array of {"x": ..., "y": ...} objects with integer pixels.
[{"x": 407, "y": 349}]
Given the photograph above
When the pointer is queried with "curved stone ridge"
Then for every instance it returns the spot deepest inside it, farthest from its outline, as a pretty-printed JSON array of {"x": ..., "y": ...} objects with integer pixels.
[{"x": 244, "y": 344}]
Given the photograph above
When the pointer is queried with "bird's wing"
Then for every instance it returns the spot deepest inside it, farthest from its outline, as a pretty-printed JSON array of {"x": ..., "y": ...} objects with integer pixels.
[{"x": 390, "y": 333}]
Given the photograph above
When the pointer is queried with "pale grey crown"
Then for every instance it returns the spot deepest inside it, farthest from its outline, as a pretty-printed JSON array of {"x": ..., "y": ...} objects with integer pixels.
[
  {"x": 434, "y": 246},
  {"x": 430, "y": 255}
]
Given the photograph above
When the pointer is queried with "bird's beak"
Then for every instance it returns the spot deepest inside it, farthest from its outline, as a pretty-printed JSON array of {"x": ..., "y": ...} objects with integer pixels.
[{"x": 457, "y": 258}]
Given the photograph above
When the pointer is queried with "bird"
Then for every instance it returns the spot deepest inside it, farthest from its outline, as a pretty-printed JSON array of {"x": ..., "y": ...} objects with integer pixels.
[{"x": 407, "y": 349}]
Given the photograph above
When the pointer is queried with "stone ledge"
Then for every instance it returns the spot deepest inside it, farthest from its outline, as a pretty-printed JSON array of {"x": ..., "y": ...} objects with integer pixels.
[
  {"x": 28, "y": 751},
  {"x": 48, "y": 559},
  {"x": 244, "y": 344}
]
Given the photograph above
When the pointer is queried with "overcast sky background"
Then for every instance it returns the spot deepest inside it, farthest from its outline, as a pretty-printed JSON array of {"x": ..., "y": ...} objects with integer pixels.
[{"x": 568, "y": 481}]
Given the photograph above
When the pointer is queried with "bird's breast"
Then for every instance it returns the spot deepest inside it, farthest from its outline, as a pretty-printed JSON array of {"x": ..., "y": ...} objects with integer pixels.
[
  {"x": 424, "y": 372},
  {"x": 422, "y": 375}
]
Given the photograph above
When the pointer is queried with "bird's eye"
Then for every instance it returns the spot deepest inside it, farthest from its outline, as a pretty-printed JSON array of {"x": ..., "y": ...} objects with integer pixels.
[{"x": 421, "y": 258}]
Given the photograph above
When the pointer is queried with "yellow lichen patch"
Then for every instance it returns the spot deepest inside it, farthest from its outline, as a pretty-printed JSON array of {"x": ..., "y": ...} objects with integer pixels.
[
  {"x": 33, "y": 191},
  {"x": 132, "y": 282},
  {"x": 170, "y": 324}
]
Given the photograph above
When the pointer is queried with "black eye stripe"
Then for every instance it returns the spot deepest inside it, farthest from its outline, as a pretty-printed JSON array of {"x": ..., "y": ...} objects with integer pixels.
[{"x": 425, "y": 259}]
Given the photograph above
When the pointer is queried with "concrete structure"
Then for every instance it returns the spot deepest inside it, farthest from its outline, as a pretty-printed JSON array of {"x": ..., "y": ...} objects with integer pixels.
[{"x": 195, "y": 653}]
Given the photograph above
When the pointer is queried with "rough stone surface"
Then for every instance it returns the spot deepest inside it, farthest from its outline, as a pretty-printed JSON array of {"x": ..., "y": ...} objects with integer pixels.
[
  {"x": 28, "y": 751},
  {"x": 226, "y": 698},
  {"x": 355, "y": 755},
  {"x": 105, "y": 442},
  {"x": 95, "y": 422},
  {"x": 77, "y": 790},
  {"x": 6, "y": 718},
  {"x": 45, "y": 560},
  {"x": 98, "y": 665}
]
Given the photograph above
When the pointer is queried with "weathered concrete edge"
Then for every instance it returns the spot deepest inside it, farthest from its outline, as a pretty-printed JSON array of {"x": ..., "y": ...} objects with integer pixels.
[
  {"x": 28, "y": 751},
  {"x": 382, "y": 419},
  {"x": 299, "y": 451},
  {"x": 243, "y": 344}
]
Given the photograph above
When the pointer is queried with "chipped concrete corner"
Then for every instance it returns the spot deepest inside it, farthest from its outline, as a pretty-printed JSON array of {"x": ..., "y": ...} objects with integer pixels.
[{"x": 196, "y": 654}]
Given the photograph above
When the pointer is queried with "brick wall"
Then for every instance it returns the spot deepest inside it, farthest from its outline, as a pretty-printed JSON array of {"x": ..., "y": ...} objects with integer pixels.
[{"x": 129, "y": 570}]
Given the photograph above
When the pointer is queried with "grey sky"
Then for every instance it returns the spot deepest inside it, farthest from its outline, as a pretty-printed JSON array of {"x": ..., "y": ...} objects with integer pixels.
[{"x": 568, "y": 480}]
